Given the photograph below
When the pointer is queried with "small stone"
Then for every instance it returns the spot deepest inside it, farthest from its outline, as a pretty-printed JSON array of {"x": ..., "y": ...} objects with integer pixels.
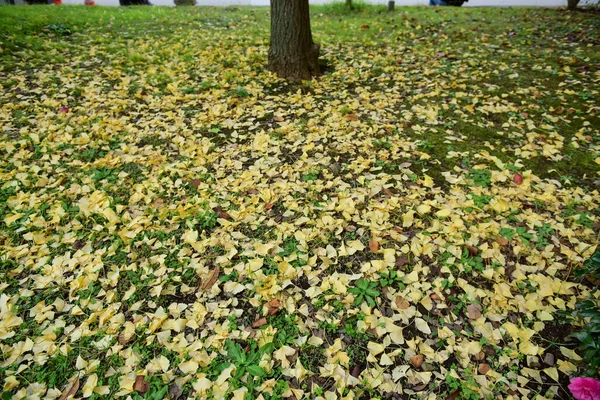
[{"x": 549, "y": 359}]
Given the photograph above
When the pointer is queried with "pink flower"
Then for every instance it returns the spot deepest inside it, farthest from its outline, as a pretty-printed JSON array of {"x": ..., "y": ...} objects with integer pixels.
[{"x": 585, "y": 388}]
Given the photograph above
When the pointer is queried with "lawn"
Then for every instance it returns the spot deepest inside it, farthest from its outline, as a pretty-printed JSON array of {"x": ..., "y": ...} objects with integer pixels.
[{"x": 175, "y": 221}]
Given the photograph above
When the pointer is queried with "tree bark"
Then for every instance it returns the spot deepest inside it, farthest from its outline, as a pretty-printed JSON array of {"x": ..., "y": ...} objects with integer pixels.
[
  {"x": 293, "y": 55},
  {"x": 349, "y": 3},
  {"x": 572, "y": 4}
]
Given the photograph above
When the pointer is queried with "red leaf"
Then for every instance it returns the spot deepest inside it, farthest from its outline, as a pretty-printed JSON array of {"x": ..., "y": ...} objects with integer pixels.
[
  {"x": 63, "y": 109},
  {"x": 518, "y": 179}
]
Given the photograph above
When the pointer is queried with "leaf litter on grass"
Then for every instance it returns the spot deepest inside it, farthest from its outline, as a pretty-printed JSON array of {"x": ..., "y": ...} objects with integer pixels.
[{"x": 177, "y": 221}]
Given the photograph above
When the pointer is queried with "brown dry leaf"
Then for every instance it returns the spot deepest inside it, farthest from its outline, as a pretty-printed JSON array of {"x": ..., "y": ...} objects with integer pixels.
[
  {"x": 123, "y": 340},
  {"x": 402, "y": 303},
  {"x": 501, "y": 240},
  {"x": 140, "y": 385},
  {"x": 472, "y": 250},
  {"x": 175, "y": 392},
  {"x": 419, "y": 387},
  {"x": 373, "y": 245},
  {"x": 351, "y": 117},
  {"x": 454, "y": 395},
  {"x": 474, "y": 310},
  {"x": 483, "y": 369},
  {"x": 364, "y": 26},
  {"x": 417, "y": 360},
  {"x": 195, "y": 183},
  {"x": 212, "y": 278},
  {"x": 401, "y": 261},
  {"x": 435, "y": 297},
  {"x": 355, "y": 372},
  {"x": 268, "y": 206},
  {"x": 78, "y": 244},
  {"x": 259, "y": 322},
  {"x": 70, "y": 390},
  {"x": 278, "y": 119},
  {"x": 274, "y": 306},
  {"x": 479, "y": 356},
  {"x": 221, "y": 213}
]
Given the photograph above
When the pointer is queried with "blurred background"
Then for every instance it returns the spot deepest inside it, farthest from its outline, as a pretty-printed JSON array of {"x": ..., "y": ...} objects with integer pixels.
[{"x": 471, "y": 3}]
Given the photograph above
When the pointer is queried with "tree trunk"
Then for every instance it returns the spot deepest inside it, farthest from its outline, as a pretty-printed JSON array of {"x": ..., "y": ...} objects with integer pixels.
[
  {"x": 293, "y": 55},
  {"x": 572, "y": 4},
  {"x": 349, "y": 3}
]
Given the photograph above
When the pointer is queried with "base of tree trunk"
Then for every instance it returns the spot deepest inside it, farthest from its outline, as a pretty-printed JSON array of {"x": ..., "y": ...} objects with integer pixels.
[
  {"x": 293, "y": 55},
  {"x": 297, "y": 68}
]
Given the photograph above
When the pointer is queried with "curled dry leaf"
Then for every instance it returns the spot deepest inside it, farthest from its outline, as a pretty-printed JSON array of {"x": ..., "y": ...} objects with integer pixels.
[
  {"x": 373, "y": 245},
  {"x": 70, "y": 390},
  {"x": 259, "y": 322},
  {"x": 417, "y": 360},
  {"x": 483, "y": 369},
  {"x": 268, "y": 206},
  {"x": 474, "y": 310},
  {"x": 402, "y": 303},
  {"x": 140, "y": 385},
  {"x": 355, "y": 372},
  {"x": 435, "y": 297},
  {"x": 212, "y": 278},
  {"x": 479, "y": 356}
]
